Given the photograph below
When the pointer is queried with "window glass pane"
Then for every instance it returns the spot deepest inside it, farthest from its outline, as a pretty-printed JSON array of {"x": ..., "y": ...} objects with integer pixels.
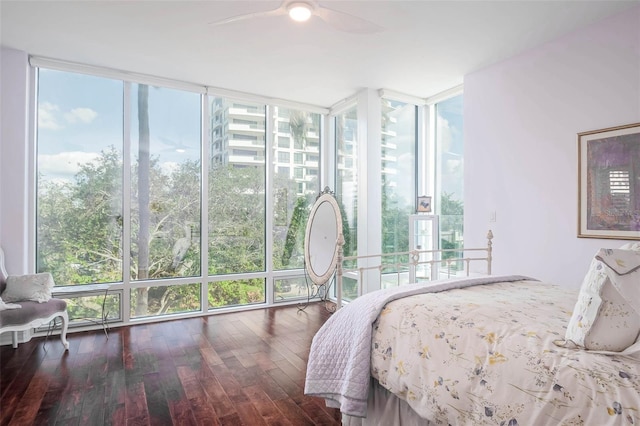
[
  {"x": 398, "y": 156},
  {"x": 284, "y": 141},
  {"x": 166, "y": 300},
  {"x": 236, "y": 190},
  {"x": 349, "y": 288},
  {"x": 449, "y": 177},
  {"x": 84, "y": 309},
  {"x": 165, "y": 183},
  {"x": 236, "y": 292},
  {"x": 283, "y": 126},
  {"x": 347, "y": 176},
  {"x": 79, "y": 177},
  {"x": 293, "y": 288},
  {"x": 294, "y": 196},
  {"x": 283, "y": 170},
  {"x": 165, "y": 186},
  {"x": 283, "y": 157}
]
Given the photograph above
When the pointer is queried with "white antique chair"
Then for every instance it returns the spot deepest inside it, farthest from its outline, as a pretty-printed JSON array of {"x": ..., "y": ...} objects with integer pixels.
[{"x": 31, "y": 314}]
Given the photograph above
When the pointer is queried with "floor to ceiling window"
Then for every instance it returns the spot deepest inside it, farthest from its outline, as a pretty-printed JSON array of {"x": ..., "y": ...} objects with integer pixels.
[
  {"x": 164, "y": 198},
  {"x": 79, "y": 184},
  {"x": 398, "y": 156},
  {"x": 398, "y": 148},
  {"x": 296, "y": 166},
  {"x": 237, "y": 202},
  {"x": 346, "y": 143},
  {"x": 449, "y": 144},
  {"x": 119, "y": 197}
]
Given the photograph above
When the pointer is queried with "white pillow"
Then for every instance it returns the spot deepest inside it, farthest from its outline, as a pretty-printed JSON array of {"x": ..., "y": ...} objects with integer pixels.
[
  {"x": 635, "y": 246},
  {"x": 623, "y": 270},
  {"x": 35, "y": 287},
  {"x": 603, "y": 318}
]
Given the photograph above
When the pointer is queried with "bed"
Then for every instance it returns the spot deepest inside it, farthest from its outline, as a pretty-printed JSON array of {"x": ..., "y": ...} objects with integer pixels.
[{"x": 495, "y": 350}]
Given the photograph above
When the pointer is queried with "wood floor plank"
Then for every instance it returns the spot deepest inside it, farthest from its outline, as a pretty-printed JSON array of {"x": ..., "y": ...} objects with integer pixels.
[
  {"x": 136, "y": 402},
  {"x": 203, "y": 411},
  {"x": 181, "y": 413},
  {"x": 156, "y": 399},
  {"x": 93, "y": 408},
  {"x": 115, "y": 414},
  {"x": 27, "y": 408},
  {"x": 245, "y": 368},
  {"x": 249, "y": 415},
  {"x": 317, "y": 414},
  {"x": 293, "y": 412},
  {"x": 263, "y": 404},
  {"x": 216, "y": 393},
  {"x": 48, "y": 408},
  {"x": 284, "y": 381},
  {"x": 230, "y": 385},
  {"x": 231, "y": 420}
]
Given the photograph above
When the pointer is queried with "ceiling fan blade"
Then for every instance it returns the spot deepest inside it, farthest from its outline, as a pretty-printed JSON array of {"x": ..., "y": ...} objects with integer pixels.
[
  {"x": 274, "y": 12},
  {"x": 346, "y": 22}
]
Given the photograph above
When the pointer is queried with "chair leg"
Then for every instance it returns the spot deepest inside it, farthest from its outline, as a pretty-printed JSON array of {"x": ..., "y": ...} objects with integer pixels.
[
  {"x": 14, "y": 339},
  {"x": 63, "y": 332}
]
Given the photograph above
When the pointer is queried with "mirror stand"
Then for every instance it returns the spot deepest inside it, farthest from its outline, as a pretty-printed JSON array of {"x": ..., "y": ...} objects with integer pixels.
[{"x": 322, "y": 290}]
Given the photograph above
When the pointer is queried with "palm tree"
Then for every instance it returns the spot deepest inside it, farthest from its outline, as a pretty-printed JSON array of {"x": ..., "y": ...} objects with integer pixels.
[{"x": 143, "y": 197}]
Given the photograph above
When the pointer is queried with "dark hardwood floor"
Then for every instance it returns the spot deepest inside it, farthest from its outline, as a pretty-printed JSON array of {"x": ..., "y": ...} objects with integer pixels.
[{"x": 243, "y": 368}]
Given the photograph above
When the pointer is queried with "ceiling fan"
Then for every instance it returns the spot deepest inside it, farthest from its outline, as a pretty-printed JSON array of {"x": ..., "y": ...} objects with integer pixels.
[{"x": 301, "y": 11}]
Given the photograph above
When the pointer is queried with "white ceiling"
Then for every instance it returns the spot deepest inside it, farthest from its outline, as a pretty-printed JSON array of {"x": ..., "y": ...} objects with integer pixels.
[{"x": 426, "y": 47}]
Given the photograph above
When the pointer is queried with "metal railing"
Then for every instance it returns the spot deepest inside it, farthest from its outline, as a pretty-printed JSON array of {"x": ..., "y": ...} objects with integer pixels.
[{"x": 356, "y": 267}]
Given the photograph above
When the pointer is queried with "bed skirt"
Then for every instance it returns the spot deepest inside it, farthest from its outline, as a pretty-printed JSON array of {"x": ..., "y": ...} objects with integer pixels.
[{"x": 385, "y": 409}]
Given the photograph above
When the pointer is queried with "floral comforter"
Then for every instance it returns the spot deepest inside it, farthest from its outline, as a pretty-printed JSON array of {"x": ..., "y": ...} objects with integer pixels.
[{"x": 485, "y": 355}]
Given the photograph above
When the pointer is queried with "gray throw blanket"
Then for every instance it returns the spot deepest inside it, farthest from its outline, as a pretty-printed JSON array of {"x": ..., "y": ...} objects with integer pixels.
[{"x": 340, "y": 357}]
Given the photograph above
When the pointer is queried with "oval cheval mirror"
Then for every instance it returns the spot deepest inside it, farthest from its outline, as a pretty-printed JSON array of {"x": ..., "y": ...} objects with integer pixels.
[{"x": 323, "y": 240}]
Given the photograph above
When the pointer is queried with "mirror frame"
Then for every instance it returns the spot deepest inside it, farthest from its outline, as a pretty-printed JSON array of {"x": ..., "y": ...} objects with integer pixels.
[{"x": 321, "y": 277}]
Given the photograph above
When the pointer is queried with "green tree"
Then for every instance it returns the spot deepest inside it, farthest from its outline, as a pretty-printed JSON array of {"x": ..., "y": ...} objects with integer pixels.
[
  {"x": 296, "y": 230},
  {"x": 451, "y": 223},
  {"x": 79, "y": 224},
  {"x": 236, "y": 219}
]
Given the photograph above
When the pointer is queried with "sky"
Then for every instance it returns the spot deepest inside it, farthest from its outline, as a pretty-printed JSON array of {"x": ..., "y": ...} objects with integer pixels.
[
  {"x": 80, "y": 115},
  {"x": 450, "y": 132}
]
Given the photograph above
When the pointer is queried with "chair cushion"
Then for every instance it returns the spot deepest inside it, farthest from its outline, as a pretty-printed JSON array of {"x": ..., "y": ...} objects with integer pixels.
[{"x": 31, "y": 311}]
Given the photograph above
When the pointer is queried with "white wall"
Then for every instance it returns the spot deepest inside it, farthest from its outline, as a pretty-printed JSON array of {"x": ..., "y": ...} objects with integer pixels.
[
  {"x": 14, "y": 176},
  {"x": 522, "y": 117}
]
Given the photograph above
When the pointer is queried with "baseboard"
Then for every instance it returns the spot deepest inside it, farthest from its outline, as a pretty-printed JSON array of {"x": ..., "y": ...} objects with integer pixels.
[{"x": 23, "y": 337}]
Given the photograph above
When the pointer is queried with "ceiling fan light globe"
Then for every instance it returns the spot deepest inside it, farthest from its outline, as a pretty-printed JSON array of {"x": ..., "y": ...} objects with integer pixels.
[{"x": 299, "y": 12}]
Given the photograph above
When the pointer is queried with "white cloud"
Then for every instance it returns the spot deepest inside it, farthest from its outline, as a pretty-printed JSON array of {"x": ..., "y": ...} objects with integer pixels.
[
  {"x": 65, "y": 164},
  {"x": 169, "y": 167},
  {"x": 445, "y": 133},
  {"x": 46, "y": 116},
  {"x": 85, "y": 115}
]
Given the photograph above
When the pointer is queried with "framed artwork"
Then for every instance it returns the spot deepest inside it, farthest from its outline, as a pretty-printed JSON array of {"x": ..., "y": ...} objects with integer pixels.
[
  {"x": 609, "y": 183},
  {"x": 424, "y": 204}
]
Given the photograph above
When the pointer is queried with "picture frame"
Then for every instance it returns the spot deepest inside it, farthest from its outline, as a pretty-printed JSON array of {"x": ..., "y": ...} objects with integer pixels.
[
  {"x": 423, "y": 204},
  {"x": 609, "y": 183}
]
